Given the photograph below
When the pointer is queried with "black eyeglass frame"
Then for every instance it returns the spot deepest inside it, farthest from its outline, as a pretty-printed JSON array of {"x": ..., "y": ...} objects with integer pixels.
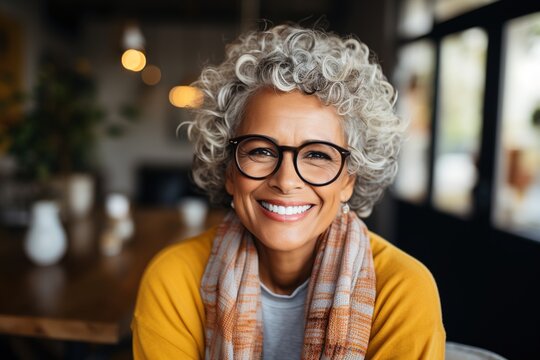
[{"x": 234, "y": 142}]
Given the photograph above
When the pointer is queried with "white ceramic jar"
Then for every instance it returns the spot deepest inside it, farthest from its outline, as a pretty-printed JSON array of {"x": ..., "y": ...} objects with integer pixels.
[{"x": 45, "y": 242}]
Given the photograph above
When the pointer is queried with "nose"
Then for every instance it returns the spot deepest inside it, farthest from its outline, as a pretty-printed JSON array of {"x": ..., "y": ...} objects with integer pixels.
[{"x": 286, "y": 178}]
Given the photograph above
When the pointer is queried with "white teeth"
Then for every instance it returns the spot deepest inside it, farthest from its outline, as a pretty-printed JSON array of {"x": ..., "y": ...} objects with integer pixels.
[{"x": 285, "y": 210}]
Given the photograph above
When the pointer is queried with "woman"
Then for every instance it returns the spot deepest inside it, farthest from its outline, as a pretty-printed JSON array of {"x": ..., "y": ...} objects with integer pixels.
[{"x": 297, "y": 133}]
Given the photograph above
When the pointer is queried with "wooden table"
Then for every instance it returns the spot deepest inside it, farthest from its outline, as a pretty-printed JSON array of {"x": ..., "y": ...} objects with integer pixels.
[{"x": 87, "y": 297}]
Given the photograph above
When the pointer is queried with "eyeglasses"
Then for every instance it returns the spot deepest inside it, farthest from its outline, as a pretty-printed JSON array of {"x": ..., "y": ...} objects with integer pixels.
[{"x": 317, "y": 163}]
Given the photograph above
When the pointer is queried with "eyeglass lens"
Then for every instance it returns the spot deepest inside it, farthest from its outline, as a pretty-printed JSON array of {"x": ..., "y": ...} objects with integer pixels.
[{"x": 316, "y": 163}]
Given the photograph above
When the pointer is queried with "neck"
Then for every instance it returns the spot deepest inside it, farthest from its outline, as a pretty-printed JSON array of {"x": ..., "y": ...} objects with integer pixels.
[{"x": 283, "y": 271}]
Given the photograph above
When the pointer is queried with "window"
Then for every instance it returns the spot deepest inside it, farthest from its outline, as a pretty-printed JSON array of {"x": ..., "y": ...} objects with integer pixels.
[
  {"x": 517, "y": 187},
  {"x": 414, "y": 80},
  {"x": 461, "y": 92},
  {"x": 446, "y": 9},
  {"x": 440, "y": 74}
]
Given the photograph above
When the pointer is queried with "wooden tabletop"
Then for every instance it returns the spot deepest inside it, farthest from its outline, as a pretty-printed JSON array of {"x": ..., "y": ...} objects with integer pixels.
[{"x": 87, "y": 296}]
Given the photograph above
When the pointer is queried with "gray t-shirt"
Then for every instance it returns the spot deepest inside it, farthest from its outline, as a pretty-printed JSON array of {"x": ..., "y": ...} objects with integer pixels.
[{"x": 283, "y": 323}]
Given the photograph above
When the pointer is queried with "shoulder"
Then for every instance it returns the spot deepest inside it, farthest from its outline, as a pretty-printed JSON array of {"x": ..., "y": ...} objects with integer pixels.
[
  {"x": 407, "y": 319},
  {"x": 190, "y": 254},
  {"x": 401, "y": 279},
  {"x": 177, "y": 270},
  {"x": 395, "y": 267},
  {"x": 169, "y": 309}
]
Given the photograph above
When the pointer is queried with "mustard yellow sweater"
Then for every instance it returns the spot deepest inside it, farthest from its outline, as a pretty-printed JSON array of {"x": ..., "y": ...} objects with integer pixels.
[{"x": 169, "y": 315}]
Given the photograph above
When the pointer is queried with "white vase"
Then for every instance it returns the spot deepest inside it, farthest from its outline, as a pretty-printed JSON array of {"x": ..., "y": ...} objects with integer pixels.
[
  {"x": 45, "y": 242},
  {"x": 80, "y": 195}
]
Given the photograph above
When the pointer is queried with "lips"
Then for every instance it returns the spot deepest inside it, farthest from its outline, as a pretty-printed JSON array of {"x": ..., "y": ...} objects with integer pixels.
[{"x": 281, "y": 209}]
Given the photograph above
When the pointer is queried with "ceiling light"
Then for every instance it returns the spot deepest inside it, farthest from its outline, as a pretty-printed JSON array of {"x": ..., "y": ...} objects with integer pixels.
[
  {"x": 185, "y": 96},
  {"x": 133, "y": 60}
]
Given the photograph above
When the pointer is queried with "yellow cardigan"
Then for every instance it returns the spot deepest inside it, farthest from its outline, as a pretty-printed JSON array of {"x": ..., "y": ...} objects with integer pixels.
[{"x": 169, "y": 316}]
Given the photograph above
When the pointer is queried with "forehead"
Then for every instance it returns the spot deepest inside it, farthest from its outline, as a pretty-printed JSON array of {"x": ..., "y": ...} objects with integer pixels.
[{"x": 291, "y": 118}]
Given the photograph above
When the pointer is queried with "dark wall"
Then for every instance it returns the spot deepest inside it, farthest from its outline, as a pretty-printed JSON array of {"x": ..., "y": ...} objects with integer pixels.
[{"x": 487, "y": 280}]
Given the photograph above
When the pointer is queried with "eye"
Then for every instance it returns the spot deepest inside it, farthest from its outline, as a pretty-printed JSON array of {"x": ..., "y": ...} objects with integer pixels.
[
  {"x": 317, "y": 155},
  {"x": 260, "y": 153}
]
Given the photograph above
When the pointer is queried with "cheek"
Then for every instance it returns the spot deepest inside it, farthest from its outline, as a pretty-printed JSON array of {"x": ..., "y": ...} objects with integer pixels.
[
  {"x": 331, "y": 197},
  {"x": 238, "y": 186}
]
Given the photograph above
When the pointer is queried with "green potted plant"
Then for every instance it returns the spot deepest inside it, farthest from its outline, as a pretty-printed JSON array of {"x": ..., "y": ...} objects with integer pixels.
[{"x": 54, "y": 140}]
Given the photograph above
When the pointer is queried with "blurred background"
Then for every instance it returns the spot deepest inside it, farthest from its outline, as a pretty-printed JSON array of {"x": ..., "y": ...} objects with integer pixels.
[{"x": 92, "y": 93}]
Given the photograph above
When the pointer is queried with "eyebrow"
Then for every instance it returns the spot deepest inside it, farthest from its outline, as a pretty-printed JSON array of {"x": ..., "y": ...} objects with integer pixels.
[{"x": 302, "y": 143}]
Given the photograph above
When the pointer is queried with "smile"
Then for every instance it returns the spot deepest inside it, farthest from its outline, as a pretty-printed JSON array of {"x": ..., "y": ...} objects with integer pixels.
[{"x": 285, "y": 210}]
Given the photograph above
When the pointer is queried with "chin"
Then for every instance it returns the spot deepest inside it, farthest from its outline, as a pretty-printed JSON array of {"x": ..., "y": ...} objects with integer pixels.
[{"x": 284, "y": 239}]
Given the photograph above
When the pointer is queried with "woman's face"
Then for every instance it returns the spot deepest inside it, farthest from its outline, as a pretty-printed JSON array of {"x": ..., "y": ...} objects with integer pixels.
[{"x": 290, "y": 119}]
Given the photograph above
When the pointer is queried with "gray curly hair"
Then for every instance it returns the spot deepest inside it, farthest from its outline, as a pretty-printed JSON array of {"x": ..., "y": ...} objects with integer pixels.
[{"x": 339, "y": 71}]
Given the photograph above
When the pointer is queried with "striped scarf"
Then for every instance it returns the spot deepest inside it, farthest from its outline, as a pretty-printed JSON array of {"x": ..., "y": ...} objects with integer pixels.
[{"x": 339, "y": 304}]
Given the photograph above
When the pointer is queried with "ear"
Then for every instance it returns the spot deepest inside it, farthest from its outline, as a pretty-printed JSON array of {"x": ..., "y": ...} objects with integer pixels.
[
  {"x": 348, "y": 187},
  {"x": 229, "y": 181}
]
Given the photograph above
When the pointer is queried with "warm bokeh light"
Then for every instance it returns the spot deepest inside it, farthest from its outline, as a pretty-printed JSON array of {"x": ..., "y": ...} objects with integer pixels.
[
  {"x": 185, "y": 96},
  {"x": 151, "y": 75},
  {"x": 133, "y": 60}
]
